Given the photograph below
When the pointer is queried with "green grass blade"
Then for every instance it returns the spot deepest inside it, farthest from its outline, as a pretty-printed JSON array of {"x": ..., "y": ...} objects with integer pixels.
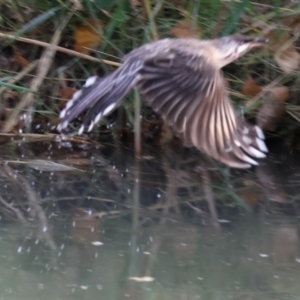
[
  {"x": 235, "y": 17},
  {"x": 35, "y": 22}
]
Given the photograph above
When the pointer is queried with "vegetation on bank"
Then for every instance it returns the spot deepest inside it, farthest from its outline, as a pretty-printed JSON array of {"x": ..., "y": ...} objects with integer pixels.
[{"x": 49, "y": 48}]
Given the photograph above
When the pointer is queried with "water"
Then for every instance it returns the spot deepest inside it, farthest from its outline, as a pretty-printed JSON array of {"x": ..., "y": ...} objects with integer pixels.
[{"x": 84, "y": 223}]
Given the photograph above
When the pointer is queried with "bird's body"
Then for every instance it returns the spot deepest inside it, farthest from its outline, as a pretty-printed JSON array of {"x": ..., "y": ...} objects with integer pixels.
[
  {"x": 163, "y": 47},
  {"x": 181, "y": 80}
]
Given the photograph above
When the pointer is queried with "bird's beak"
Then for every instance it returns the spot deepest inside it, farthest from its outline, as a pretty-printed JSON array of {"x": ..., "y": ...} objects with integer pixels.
[
  {"x": 251, "y": 43},
  {"x": 257, "y": 42}
]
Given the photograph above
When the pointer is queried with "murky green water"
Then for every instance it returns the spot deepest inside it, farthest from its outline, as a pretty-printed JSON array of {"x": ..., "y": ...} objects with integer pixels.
[
  {"x": 85, "y": 224},
  {"x": 250, "y": 258}
]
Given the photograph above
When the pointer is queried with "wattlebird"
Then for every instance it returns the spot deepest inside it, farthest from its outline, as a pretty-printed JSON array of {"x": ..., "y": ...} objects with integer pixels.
[{"x": 181, "y": 80}]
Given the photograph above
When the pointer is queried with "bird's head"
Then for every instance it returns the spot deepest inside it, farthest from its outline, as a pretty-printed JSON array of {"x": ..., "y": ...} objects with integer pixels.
[{"x": 232, "y": 47}]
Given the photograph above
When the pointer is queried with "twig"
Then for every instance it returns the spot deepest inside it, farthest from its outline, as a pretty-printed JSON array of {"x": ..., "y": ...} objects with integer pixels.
[
  {"x": 60, "y": 49},
  {"x": 48, "y": 137}
]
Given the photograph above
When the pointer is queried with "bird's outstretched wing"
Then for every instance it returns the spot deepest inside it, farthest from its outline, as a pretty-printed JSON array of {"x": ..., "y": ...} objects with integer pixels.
[
  {"x": 100, "y": 95},
  {"x": 188, "y": 92},
  {"x": 191, "y": 96}
]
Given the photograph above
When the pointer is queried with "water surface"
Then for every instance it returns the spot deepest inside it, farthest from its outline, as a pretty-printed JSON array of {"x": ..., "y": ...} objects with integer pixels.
[{"x": 82, "y": 221}]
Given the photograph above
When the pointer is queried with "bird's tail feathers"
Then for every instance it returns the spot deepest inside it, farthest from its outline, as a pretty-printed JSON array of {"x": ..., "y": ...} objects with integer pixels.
[{"x": 250, "y": 139}]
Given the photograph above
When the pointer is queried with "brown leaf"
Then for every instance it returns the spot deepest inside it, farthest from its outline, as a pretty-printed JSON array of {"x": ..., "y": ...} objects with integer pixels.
[
  {"x": 66, "y": 94},
  {"x": 86, "y": 36},
  {"x": 250, "y": 87},
  {"x": 186, "y": 29},
  {"x": 273, "y": 109},
  {"x": 285, "y": 53},
  {"x": 20, "y": 59},
  {"x": 292, "y": 21}
]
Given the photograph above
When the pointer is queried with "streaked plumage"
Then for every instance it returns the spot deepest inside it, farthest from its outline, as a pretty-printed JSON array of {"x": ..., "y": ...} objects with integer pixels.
[{"x": 181, "y": 80}]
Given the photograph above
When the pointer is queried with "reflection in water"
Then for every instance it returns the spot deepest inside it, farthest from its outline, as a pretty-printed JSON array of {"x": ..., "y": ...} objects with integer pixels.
[{"x": 102, "y": 225}]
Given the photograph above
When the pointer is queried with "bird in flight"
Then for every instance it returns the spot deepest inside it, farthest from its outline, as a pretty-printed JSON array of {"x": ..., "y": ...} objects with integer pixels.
[{"x": 181, "y": 79}]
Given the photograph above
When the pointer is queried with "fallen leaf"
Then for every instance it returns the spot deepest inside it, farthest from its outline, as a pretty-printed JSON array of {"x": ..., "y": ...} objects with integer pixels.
[
  {"x": 186, "y": 29},
  {"x": 250, "y": 87},
  {"x": 285, "y": 53},
  {"x": 87, "y": 37},
  {"x": 273, "y": 109}
]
